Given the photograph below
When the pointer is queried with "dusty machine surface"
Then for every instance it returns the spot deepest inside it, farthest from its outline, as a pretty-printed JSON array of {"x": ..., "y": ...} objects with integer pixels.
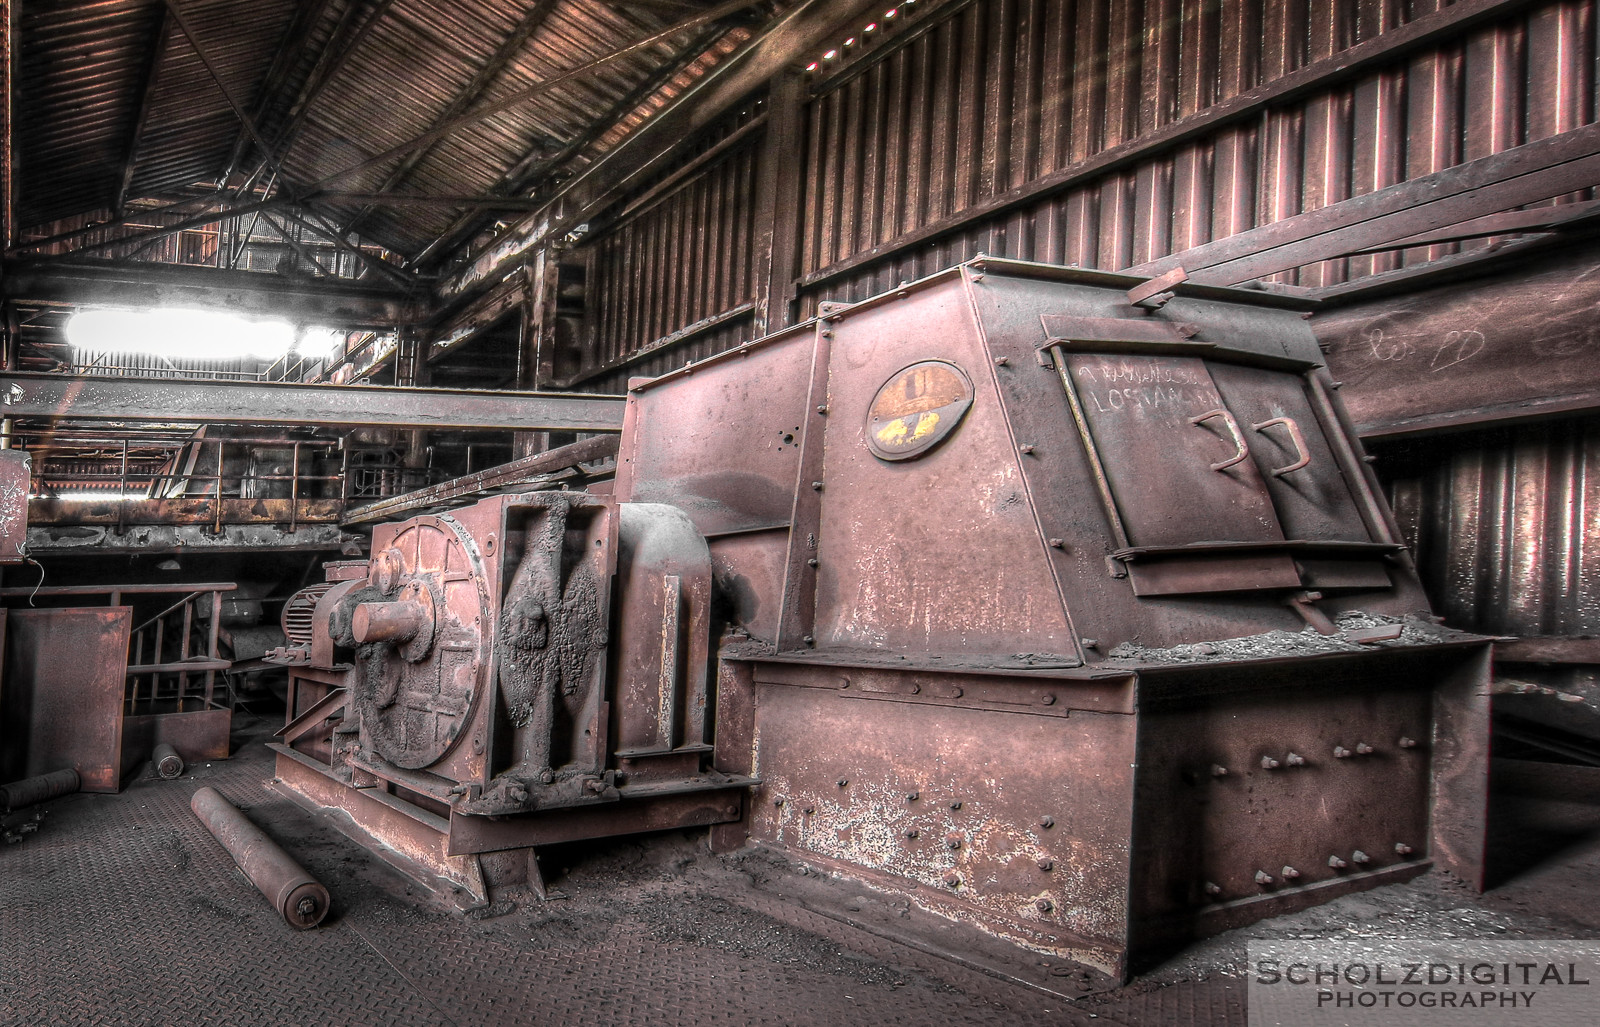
[{"x": 1062, "y": 603}]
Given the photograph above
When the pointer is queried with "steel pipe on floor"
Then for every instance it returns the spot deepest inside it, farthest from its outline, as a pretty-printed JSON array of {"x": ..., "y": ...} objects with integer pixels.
[{"x": 295, "y": 894}]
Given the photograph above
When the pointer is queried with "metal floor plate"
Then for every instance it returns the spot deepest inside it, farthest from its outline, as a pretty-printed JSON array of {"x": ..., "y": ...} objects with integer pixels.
[{"x": 122, "y": 910}]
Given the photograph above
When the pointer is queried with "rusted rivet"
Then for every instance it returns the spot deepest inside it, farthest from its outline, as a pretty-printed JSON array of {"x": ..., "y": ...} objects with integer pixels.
[
  {"x": 777, "y": 800},
  {"x": 1289, "y": 873},
  {"x": 1262, "y": 877},
  {"x": 1047, "y": 822},
  {"x": 1213, "y": 889},
  {"x": 843, "y": 781},
  {"x": 1045, "y": 863},
  {"x": 811, "y": 562},
  {"x": 953, "y": 839},
  {"x": 952, "y": 880},
  {"x": 1337, "y": 863},
  {"x": 1402, "y": 849},
  {"x": 956, "y": 804},
  {"x": 1058, "y": 543},
  {"x": 1026, "y": 448},
  {"x": 1341, "y": 753},
  {"x": 1043, "y": 905},
  {"x": 733, "y": 811},
  {"x": 1360, "y": 857},
  {"x": 911, "y": 796},
  {"x": 1001, "y": 361},
  {"x": 1294, "y": 759},
  {"x": 809, "y": 639},
  {"x": 817, "y": 485},
  {"x": 912, "y": 832},
  {"x": 1363, "y": 749},
  {"x": 1089, "y": 643},
  {"x": 1407, "y": 742},
  {"x": 1268, "y": 763},
  {"x": 1218, "y": 770},
  {"x": 822, "y": 409},
  {"x": 827, "y": 333}
]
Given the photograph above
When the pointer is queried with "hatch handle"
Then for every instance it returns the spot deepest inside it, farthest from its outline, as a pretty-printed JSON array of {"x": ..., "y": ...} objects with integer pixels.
[
  {"x": 1298, "y": 439},
  {"x": 1233, "y": 429}
]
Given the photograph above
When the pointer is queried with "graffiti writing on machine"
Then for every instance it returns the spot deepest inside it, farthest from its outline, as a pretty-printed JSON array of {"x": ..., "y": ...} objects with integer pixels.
[{"x": 917, "y": 409}]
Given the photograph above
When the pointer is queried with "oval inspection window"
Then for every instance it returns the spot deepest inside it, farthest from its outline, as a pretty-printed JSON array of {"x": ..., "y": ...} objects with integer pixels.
[{"x": 917, "y": 409}]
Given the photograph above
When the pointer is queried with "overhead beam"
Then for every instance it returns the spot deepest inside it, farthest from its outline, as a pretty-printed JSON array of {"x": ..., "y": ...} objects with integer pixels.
[
  {"x": 531, "y": 21},
  {"x": 166, "y": 285},
  {"x": 539, "y": 88},
  {"x": 789, "y": 38},
  {"x": 548, "y": 464},
  {"x": 134, "y": 400},
  {"x": 1524, "y": 174},
  {"x": 152, "y": 78},
  {"x": 527, "y": 171},
  {"x": 297, "y": 31}
]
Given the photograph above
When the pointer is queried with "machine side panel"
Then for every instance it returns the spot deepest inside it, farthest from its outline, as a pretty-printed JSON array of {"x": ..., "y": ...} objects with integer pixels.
[
  {"x": 941, "y": 552},
  {"x": 722, "y": 443},
  {"x": 1018, "y": 823}
]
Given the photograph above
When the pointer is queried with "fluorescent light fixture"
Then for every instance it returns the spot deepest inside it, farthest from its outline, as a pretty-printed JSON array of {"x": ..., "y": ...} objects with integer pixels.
[{"x": 191, "y": 335}]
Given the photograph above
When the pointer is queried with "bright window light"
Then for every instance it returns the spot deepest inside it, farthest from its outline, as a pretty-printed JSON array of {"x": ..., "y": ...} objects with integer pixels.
[
  {"x": 192, "y": 335},
  {"x": 321, "y": 343}
]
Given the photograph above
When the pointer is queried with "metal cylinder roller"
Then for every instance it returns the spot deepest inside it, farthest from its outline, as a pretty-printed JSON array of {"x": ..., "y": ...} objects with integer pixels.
[
  {"x": 34, "y": 790},
  {"x": 168, "y": 763},
  {"x": 387, "y": 622},
  {"x": 295, "y": 894}
]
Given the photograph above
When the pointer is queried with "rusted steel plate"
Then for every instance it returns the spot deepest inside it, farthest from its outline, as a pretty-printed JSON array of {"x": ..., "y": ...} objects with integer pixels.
[
  {"x": 1161, "y": 429},
  {"x": 16, "y": 467},
  {"x": 1018, "y": 824},
  {"x": 693, "y": 809},
  {"x": 196, "y": 735},
  {"x": 1518, "y": 345},
  {"x": 64, "y": 685},
  {"x": 226, "y": 402}
]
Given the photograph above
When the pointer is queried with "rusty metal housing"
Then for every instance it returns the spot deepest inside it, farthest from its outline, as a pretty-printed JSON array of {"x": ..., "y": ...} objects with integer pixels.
[{"x": 1064, "y": 606}]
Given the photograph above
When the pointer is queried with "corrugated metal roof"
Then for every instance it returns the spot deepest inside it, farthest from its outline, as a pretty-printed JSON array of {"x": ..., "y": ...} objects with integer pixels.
[{"x": 370, "y": 75}]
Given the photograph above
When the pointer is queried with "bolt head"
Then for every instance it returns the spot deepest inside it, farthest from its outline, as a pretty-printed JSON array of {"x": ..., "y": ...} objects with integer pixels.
[
  {"x": 1213, "y": 889},
  {"x": 1360, "y": 857},
  {"x": 1058, "y": 543},
  {"x": 1047, "y": 822},
  {"x": 1268, "y": 763},
  {"x": 1290, "y": 873},
  {"x": 1262, "y": 877},
  {"x": 1337, "y": 863},
  {"x": 1026, "y": 448},
  {"x": 1341, "y": 753},
  {"x": 912, "y": 832},
  {"x": 1218, "y": 770},
  {"x": 953, "y": 840},
  {"x": 952, "y": 880},
  {"x": 809, "y": 810},
  {"x": 1364, "y": 749},
  {"x": 1294, "y": 759},
  {"x": 843, "y": 781},
  {"x": 1402, "y": 849},
  {"x": 1045, "y": 863},
  {"x": 1002, "y": 361},
  {"x": 822, "y": 409},
  {"x": 911, "y": 796},
  {"x": 1407, "y": 743},
  {"x": 956, "y": 804},
  {"x": 777, "y": 800},
  {"x": 1043, "y": 905}
]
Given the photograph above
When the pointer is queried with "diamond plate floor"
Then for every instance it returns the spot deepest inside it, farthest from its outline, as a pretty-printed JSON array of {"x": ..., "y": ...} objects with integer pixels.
[{"x": 123, "y": 910}]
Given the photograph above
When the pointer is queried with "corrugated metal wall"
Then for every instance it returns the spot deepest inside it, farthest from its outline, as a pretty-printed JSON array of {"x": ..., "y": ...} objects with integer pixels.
[
  {"x": 1504, "y": 525},
  {"x": 1001, "y": 93},
  {"x": 683, "y": 258},
  {"x": 981, "y": 104}
]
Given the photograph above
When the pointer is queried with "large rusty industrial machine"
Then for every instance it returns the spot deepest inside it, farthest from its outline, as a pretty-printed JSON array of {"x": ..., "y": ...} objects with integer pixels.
[{"x": 1062, "y": 602}]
